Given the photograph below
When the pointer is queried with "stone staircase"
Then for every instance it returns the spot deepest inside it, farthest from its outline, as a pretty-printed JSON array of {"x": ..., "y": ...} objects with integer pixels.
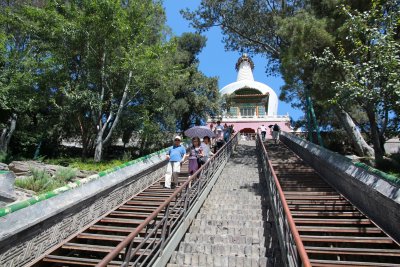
[{"x": 234, "y": 226}]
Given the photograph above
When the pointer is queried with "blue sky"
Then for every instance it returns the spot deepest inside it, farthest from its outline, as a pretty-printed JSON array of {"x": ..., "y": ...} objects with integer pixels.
[{"x": 215, "y": 61}]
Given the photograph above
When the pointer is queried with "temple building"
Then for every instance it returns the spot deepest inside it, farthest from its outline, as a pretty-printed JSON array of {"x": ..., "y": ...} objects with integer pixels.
[{"x": 250, "y": 104}]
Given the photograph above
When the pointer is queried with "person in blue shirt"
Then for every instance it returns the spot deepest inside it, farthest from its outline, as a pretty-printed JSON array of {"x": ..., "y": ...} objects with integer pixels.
[{"x": 176, "y": 156}]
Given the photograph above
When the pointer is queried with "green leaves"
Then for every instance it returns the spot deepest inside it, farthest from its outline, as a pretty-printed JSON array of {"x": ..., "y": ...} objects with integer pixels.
[{"x": 96, "y": 70}]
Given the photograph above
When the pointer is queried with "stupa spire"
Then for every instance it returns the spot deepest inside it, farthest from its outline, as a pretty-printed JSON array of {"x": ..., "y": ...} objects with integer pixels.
[{"x": 244, "y": 67}]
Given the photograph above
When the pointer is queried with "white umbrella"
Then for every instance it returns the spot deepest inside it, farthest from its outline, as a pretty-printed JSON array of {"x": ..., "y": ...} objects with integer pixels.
[{"x": 199, "y": 131}]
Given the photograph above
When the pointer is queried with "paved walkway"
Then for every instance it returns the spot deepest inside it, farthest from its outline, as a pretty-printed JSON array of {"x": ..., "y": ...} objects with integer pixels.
[{"x": 234, "y": 226}]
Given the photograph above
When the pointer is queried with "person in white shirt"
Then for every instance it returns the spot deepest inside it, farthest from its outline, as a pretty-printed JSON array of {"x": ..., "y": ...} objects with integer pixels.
[
  {"x": 263, "y": 130},
  {"x": 206, "y": 145}
]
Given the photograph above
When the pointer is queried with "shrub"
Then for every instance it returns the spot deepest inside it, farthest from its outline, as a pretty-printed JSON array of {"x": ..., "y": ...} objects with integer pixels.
[
  {"x": 4, "y": 157},
  {"x": 127, "y": 156},
  {"x": 39, "y": 182},
  {"x": 87, "y": 164},
  {"x": 64, "y": 175}
]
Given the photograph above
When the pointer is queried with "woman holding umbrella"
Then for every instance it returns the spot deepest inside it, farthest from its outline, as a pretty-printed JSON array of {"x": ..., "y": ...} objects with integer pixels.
[
  {"x": 194, "y": 154},
  {"x": 196, "y": 151}
]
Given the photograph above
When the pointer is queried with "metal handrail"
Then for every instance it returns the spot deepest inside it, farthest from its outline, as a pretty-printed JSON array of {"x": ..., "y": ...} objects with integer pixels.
[
  {"x": 289, "y": 236},
  {"x": 175, "y": 208}
]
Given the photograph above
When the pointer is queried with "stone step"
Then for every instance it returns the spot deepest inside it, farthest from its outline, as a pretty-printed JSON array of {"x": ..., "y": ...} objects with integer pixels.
[
  {"x": 241, "y": 187},
  {"x": 240, "y": 202},
  {"x": 234, "y": 197},
  {"x": 227, "y": 197},
  {"x": 255, "y": 232},
  {"x": 239, "y": 217},
  {"x": 199, "y": 259},
  {"x": 229, "y": 212},
  {"x": 237, "y": 189},
  {"x": 222, "y": 207},
  {"x": 223, "y": 239},
  {"x": 240, "y": 250},
  {"x": 235, "y": 223}
]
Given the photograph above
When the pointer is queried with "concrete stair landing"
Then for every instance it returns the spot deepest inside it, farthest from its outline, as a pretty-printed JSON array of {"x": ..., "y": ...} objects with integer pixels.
[{"x": 234, "y": 226}]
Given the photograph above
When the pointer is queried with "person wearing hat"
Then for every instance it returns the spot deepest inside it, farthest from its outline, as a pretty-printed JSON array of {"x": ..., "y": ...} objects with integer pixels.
[{"x": 176, "y": 156}]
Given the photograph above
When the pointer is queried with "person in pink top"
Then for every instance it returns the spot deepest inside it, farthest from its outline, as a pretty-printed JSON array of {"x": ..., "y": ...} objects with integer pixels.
[{"x": 195, "y": 152}]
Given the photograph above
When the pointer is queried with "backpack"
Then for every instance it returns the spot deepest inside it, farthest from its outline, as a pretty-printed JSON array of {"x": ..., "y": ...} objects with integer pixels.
[{"x": 276, "y": 128}]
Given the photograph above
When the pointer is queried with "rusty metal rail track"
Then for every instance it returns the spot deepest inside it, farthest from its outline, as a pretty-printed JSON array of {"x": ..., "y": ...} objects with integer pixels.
[
  {"x": 135, "y": 233},
  {"x": 332, "y": 231}
]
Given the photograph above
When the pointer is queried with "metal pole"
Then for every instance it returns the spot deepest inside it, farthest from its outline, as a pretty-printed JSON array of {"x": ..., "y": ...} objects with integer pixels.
[
  {"x": 310, "y": 130},
  {"x": 164, "y": 229},
  {"x": 311, "y": 116},
  {"x": 314, "y": 119}
]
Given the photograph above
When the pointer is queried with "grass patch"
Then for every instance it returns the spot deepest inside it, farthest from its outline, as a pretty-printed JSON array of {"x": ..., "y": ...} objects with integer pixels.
[
  {"x": 40, "y": 181},
  {"x": 396, "y": 174},
  {"x": 391, "y": 166},
  {"x": 87, "y": 165},
  {"x": 65, "y": 174}
]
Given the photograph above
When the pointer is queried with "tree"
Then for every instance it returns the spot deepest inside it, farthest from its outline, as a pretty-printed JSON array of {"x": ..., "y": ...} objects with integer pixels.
[
  {"x": 196, "y": 96},
  {"x": 290, "y": 34},
  {"x": 76, "y": 69},
  {"x": 103, "y": 57},
  {"x": 21, "y": 62},
  {"x": 369, "y": 67}
]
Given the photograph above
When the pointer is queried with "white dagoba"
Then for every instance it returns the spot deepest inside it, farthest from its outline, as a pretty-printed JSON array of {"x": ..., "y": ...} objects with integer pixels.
[
  {"x": 245, "y": 79},
  {"x": 251, "y": 104}
]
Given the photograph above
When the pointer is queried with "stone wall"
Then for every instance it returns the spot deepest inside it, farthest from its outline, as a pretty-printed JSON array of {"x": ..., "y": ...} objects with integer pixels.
[
  {"x": 374, "y": 196},
  {"x": 27, "y": 233}
]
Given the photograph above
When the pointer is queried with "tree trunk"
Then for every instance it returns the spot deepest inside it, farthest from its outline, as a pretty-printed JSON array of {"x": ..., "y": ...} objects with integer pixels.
[
  {"x": 375, "y": 134},
  {"x": 85, "y": 146},
  {"x": 7, "y": 133},
  {"x": 111, "y": 120},
  {"x": 98, "y": 152},
  {"x": 142, "y": 145},
  {"x": 359, "y": 144}
]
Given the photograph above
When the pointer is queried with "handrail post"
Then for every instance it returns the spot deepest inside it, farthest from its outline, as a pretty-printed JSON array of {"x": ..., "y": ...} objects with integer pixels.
[
  {"x": 164, "y": 229},
  {"x": 187, "y": 197}
]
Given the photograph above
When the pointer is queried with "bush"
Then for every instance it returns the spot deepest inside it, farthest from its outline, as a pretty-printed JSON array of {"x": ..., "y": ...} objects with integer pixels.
[
  {"x": 5, "y": 158},
  {"x": 64, "y": 175},
  {"x": 127, "y": 156},
  {"x": 390, "y": 164},
  {"x": 87, "y": 165},
  {"x": 40, "y": 181}
]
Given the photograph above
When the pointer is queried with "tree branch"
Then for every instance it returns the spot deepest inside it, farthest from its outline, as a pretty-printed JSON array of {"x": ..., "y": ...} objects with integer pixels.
[
  {"x": 102, "y": 77},
  {"x": 267, "y": 47},
  {"x": 120, "y": 108}
]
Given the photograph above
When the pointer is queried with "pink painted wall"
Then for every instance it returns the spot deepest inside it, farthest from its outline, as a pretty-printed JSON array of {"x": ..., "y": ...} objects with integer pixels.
[{"x": 238, "y": 126}]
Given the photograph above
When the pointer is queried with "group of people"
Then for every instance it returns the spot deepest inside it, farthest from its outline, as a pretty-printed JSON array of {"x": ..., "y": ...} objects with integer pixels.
[
  {"x": 198, "y": 154},
  {"x": 275, "y": 129},
  {"x": 222, "y": 134}
]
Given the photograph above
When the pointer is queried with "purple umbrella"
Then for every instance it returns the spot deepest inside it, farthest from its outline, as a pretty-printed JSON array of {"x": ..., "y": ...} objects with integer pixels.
[{"x": 199, "y": 131}]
